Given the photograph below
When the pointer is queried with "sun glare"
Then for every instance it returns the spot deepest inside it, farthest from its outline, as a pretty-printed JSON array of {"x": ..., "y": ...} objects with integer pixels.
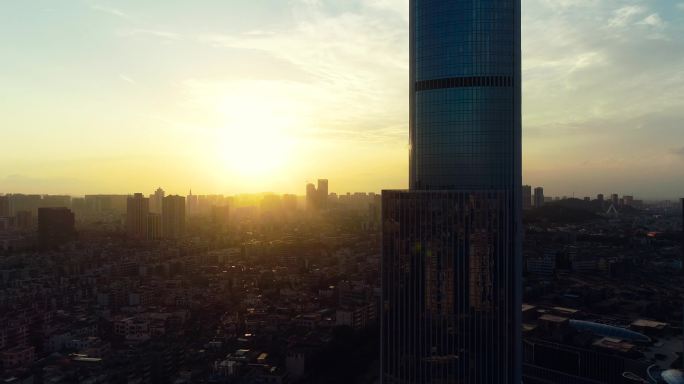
[{"x": 257, "y": 138}]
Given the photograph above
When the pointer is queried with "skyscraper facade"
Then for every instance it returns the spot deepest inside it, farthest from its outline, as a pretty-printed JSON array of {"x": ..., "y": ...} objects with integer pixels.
[
  {"x": 539, "y": 198},
  {"x": 526, "y": 197},
  {"x": 173, "y": 217},
  {"x": 311, "y": 197},
  {"x": 322, "y": 193},
  {"x": 156, "y": 201},
  {"x": 452, "y": 243},
  {"x": 137, "y": 211}
]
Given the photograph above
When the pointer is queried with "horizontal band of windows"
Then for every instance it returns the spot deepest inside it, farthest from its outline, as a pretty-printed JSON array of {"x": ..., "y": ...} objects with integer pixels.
[{"x": 465, "y": 81}]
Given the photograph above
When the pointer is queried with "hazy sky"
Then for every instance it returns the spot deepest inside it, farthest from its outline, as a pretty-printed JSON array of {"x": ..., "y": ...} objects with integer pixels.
[{"x": 228, "y": 96}]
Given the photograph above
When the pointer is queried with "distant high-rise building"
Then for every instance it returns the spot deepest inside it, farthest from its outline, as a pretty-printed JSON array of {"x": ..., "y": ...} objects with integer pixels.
[
  {"x": 600, "y": 198},
  {"x": 526, "y": 197},
  {"x": 539, "y": 199},
  {"x": 56, "y": 226},
  {"x": 137, "y": 212},
  {"x": 4, "y": 206},
  {"x": 156, "y": 201},
  {"x": 311, "y": 197},
  {"x": 628, "y": 200},
  {"x": 24, "y": 220},
  {"x": 220, "y": 216},
  {"x": 587, "y": 198},
  {"x": 154, "y": 226},
  {"x": 192, "y": 204},
  {"x": 322, "y": 193},
  {"x": 682, "y": 244},
  {"x": 173, "y": 217},
  {"x": 615, "y": 199},
  {"x": 451, "y": 244}
]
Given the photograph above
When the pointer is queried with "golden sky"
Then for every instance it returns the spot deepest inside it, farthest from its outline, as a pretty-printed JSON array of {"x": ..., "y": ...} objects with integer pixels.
[{"x": 265, "y": 95}]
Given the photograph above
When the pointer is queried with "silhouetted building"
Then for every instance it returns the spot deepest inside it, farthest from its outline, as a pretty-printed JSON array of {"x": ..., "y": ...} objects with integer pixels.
[
  {"x": 24, "y": 220},
  {"x": 311, "y": 197},
  {"x": 682, "y": 245},
  {"x": 154, "y": 226},
  {"x": 137, "y": 211},
  {"x": 192, "y": 204},
  {"x": 156, "y": 201},
  {"x": 526, "y": 197},
  {"x": 322, "y": 193},
  {"x": 220, "y": 216},
  {"x": 451, "y": 267},
  {"x": 4, "y": 206},
  {"x": 173, "y": 217},
  {"x": 539, "y": 199},
  {"x": 56, "y": 226},
  {"x": 600, "y": 198},
  {"x": 615, "y": 199}
]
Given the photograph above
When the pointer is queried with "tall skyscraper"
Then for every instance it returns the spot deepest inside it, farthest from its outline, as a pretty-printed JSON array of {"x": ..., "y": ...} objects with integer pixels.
[
  {"x": 539, "y": 198},
  {"x": 451, "y": 267},
  {"x": 311, "y": 197},
  {"x": 192, "y": 204},
  {"x": 137, "y": 211},
  {"x": 156, "y": 201},
  {"x": 526, "y": 197},
  {"x": 56, "y": 226},
  {"x": 322, "y": 193},
  {"x": 173, "y": 217}
]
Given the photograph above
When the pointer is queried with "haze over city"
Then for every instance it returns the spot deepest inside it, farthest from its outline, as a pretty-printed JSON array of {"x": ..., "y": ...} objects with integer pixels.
[{"x": 232, "y": 97}]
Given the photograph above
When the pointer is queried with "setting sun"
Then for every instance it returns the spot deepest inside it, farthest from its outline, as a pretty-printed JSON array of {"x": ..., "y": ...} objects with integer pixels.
[{"x": 257, "y": 136}]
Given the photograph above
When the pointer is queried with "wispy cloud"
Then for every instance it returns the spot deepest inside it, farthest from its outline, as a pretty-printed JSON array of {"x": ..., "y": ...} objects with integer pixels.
[
  {"x": 150, "y": 32},
  {"x": 111, "y": 11},
  {"x": 356, "y": 63},
  {"x": 127, "y": 79}
]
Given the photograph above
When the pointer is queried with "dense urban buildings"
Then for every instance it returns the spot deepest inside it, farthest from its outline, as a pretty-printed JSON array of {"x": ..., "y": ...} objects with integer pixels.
[
  {"x": 280, "y": 294},
  {"x": 56, "y": 226},
  {"x": 451, "y": 274}
]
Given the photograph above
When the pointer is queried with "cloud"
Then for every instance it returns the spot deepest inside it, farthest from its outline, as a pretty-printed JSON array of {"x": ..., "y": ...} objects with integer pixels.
[
  {"x": 167, "y": 35},
  {"x": 625, "y": 15},
  {"x": 653, "y": 20},
  {"x": 111, "y": 11},
  {"x": 127, "y": 79},
  {"x": 355, "y": 62}
]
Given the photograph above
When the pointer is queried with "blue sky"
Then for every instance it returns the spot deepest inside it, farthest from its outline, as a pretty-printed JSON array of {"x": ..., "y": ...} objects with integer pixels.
[{"x": 236, "y": 96}]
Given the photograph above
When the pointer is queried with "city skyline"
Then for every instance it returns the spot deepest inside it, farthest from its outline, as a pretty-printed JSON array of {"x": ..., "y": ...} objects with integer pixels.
[{"x": 600, "y": 113}]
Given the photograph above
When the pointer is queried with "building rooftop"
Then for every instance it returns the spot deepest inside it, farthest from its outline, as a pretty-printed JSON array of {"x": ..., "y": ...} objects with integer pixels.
[{"x": 610, "y": 331}]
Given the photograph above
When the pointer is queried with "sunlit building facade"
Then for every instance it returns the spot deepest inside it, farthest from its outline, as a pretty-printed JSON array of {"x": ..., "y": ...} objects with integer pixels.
[{"x": 452, "y": 242}]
